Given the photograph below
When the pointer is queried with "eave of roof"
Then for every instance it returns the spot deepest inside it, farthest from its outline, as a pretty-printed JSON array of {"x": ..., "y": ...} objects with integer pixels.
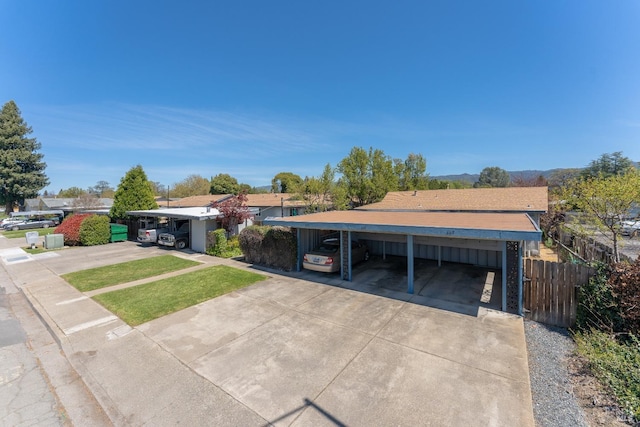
[{"x": 462, "y": 225}]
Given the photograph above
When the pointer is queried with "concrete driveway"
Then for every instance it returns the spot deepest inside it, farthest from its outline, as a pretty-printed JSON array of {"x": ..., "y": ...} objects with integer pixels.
[{"x": 290, "y": 351}]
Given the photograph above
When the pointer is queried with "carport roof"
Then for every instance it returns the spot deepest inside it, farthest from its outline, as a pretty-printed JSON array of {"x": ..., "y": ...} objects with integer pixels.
[
  {"x": 198, "y": 214},
  {"x": 463, "y": 225}
]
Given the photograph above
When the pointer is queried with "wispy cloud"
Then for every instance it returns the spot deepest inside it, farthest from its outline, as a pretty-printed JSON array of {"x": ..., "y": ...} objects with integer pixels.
[{"x": 87, "y": 143}]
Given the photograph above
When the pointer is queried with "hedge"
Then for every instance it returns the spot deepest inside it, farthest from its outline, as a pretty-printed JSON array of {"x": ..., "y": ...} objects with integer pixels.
[
  {"x": 274, "y": 247},
  {"x": 95, "y": 230}
]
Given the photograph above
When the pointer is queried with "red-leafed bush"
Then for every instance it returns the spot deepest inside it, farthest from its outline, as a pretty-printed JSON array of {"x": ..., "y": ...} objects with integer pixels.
[{"x": 70, "y": 228}]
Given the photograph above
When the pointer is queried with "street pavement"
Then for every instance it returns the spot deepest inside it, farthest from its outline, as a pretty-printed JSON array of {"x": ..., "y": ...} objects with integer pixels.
[
  {"x": 287, "y": 351},
  {"x": 24, "y": 390}
]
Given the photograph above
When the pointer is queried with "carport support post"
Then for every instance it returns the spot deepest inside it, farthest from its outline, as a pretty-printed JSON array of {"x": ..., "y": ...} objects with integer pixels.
[
  {"x": 300, "y": 250},
  {"x": 349, "y": 252},
  {"x": 504, "y": 276},
  {"x": 520, "y": 281},
  {"x": 410, "y": 264}
]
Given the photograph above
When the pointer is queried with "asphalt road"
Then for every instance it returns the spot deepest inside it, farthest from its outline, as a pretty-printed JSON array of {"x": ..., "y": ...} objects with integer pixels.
[{"x": 24, "y": 389}]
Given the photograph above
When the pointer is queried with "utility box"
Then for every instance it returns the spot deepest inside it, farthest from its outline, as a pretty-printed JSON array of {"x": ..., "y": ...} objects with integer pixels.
[
  {"x": 118, "y": 232},
  {"x": 54, "y": 241},
  {"x": 33, "y": 237}
]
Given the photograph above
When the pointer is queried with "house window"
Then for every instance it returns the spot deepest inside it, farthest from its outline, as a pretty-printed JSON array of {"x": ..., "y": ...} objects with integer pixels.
[{"x": 294, "y": 211}]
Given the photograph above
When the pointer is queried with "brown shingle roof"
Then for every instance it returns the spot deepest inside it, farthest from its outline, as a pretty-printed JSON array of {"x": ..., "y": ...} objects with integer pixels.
[
  {"x": 198, "y": 201},
  {"x": 267, "y": 200},
  {"x": 460, "y": 220},
  {"x": 514, "y": 199}
]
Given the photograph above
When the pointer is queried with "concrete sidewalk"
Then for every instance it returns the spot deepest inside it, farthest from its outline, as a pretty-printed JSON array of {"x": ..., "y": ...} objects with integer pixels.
[{"x": 286, "y": 351}]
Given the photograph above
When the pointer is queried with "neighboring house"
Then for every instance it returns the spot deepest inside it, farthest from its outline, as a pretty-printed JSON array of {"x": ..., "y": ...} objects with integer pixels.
[
  {"x": 199, "y": 201},
  {"x": 164, "y": 202},
  {"x": 274, "y": 204},
  {"x": 69, "y": 204},
  {"x": 533, "y": 201}
]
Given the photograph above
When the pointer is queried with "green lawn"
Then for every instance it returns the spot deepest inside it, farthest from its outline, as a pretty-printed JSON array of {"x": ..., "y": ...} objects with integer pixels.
[
  {"x": 21, "y": 233},
  {"x": 100, "y": 277},
  {"x": 140, "y": 304}
]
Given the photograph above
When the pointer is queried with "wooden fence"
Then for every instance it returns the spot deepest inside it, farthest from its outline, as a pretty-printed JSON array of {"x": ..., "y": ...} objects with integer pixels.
[{"x": 550, "y": 291}]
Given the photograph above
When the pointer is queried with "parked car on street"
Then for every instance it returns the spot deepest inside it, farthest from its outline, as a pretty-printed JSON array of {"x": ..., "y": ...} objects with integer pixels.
[
  {"x": 8, "y": 221},
  {"x": 31, "y": 223},
  {"x": 326, "y": 257},
  {"x": 630, "y": 228}
]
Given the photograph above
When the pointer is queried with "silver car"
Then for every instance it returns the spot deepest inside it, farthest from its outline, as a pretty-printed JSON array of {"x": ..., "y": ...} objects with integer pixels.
[
  {"x": 34, "y": 223},
  {"x": 326, "y": 257}
]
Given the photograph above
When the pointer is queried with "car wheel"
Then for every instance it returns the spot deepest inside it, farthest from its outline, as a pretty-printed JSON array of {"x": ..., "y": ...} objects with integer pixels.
[
  {"x": 45, "y": 226},
  {"x": 181, "y": 244},
  {"x": 15, "y": 228},
  {"x": 366, "y": 256}
]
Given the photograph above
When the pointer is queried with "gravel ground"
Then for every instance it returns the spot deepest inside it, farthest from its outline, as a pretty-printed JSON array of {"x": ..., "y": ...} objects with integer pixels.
[{"x": 554, "y": 403}]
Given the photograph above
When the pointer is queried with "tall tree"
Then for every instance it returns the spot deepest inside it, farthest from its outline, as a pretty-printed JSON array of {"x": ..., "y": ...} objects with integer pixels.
[
  {"x": 559, "y": 178},
  {"x": 134, "y": 193},
  {"x": 158, "y": 188},
  {"x": 286, "y": 182},
  {"x": 102, "y": 189},
  {"x": 493, "y": 176},
  {"x": 224, "y": 184},
  {"x": 607, "y": 165},
  {"x": 529, "y": 181},
  {"x": 21, "y": 167},
  {"x": 367, "y": 176},
  {"x": 71, "y": 192},
  {"x": 318, "y": 193},
  {"x": 412, "y": 173},
  {"x": 193, "y": 185},
  {"x": 604, "y": 202}
]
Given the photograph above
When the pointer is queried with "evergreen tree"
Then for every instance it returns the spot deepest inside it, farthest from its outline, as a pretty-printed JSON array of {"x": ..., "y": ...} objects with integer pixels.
[
  {"x": 607, "y": 165},
  {"x": 21, "y": 167},
  {"x": 134, "y": 193}
]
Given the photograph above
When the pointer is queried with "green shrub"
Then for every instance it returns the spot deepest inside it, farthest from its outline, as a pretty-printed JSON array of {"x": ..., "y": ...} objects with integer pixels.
[
  {"x": 610, "y": 302},
  {"x": 597, "y": 307},
  {"x": 216, "y": 242},
  {"x": 95, "y": 230},
  {"x": 616, "y": 365},
  {"x": 275, "y": 247},
  {"x": 219, "y": 245}
]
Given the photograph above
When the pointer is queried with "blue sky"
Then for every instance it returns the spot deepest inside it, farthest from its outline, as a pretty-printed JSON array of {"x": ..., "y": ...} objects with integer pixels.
[{"x": 253, "y": 88}]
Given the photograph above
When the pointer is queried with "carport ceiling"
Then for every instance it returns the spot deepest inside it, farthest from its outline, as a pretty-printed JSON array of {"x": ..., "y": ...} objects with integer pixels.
[{"x": 461, "y": 225}]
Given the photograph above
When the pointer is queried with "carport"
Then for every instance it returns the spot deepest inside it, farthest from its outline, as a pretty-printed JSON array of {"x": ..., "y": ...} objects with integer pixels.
[
  {"x": 201, "y": 221},
  {"x": 485, "y": 239}
]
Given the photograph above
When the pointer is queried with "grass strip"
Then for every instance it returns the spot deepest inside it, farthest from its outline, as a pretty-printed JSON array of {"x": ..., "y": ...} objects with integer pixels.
[
  {"x": 22, "y": 233},
  {"x": 140, "y": 304},
  {"x": 110, "y": 275}
]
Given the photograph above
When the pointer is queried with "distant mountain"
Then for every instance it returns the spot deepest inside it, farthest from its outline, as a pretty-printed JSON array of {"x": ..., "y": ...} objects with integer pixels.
[{"x": 526, "y": 174}]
